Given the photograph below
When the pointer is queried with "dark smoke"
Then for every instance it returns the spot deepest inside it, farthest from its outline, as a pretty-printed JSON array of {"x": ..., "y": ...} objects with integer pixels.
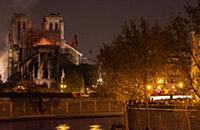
[{"x": 7, "y": 9}]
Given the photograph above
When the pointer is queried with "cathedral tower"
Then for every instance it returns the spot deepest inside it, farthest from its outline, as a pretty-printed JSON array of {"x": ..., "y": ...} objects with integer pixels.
[
  {"x": 54, "y": 23},
  {"x": 20, "y": 25}
]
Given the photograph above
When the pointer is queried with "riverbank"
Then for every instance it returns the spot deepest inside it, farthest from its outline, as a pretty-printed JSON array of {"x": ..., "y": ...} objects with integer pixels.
[{"x": 49, "y": 108}]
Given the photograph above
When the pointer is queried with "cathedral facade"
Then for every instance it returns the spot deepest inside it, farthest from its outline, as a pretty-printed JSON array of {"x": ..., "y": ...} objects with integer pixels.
[{"x": 40, "y": 55}]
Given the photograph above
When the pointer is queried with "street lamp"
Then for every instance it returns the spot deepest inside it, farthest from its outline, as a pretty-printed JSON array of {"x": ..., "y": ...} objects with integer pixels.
[{"x": 62, "y": 87}]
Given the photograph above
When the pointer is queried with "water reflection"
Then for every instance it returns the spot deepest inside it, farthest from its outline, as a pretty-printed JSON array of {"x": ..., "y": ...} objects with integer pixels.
[
  {"x": 105, "y": 123},
  {"x": 62, "y": 127},
  {"x": 95, "y": 127}
]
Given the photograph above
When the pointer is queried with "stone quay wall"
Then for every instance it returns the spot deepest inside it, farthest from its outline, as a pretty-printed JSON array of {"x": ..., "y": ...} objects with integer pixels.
[
  {"x": 58, "y": 108},
  {"x": 164, "y": 118}
]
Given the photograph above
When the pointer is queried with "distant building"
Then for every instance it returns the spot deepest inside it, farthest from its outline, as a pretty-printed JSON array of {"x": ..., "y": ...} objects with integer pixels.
[{"x": 40, "y": 55}]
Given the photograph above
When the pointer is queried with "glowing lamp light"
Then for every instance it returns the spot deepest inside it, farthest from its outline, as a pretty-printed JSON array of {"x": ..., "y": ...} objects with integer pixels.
[
  {"x": 95, "y": 127},
  {"x": 62, "y": 127},
  {"x": 21, "y": 87},
  {"x": 160, "y": 81},
  {"x": 100, "y": 80},
  {"x": 148, "y": 87},
  {"x": 63, "y": 86},
  {"x": 180, "y": 85},
  {"x": 173, "y": 87}
]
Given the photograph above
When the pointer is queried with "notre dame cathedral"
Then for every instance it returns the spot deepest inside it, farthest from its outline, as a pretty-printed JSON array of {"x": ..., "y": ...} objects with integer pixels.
[{"x": 40, "y": 55}]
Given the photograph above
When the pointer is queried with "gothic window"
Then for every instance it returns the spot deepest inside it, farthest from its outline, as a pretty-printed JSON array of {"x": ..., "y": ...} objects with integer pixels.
[
  {"x": 18, "y": 30},
  {"x": 24, "y": 26},
  {"x": 50, "y": 27},
  {"x": 56, "y": 26}
]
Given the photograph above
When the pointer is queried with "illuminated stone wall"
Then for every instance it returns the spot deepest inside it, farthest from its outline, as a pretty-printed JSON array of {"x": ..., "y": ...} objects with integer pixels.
[
  {"x": 164, "y": 119},
  {"x": 30, "y": 108}
]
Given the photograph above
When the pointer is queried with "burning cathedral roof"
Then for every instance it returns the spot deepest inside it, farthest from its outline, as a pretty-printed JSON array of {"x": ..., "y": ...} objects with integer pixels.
[{"x": 34, "y": 53}]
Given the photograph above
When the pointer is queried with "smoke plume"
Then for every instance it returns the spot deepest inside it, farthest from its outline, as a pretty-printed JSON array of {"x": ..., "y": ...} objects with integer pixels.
[{"x": 7, "y": 9}]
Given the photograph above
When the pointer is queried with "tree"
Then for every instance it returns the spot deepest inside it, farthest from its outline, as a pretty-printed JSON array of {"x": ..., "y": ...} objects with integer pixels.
[
  {"x": 133, "y": 59},
  {"x": 74, "y": 81},
  {"x": 179, "y": 52},
  {"x": 141, "y": 54},
  {"x": 178, "y": 48},
  {"x": 193, "y": 11},
  {"x": 89, "y": 73}
]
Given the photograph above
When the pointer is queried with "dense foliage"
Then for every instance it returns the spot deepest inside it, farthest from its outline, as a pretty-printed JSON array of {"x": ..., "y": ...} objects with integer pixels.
[{"x": 141, "y": 54}]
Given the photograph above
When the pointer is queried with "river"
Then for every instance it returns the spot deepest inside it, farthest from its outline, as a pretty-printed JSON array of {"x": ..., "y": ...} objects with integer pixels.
[{"x": 51, "y": 124}]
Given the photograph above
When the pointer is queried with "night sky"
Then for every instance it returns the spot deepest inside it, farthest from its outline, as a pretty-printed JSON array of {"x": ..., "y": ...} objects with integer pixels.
[{"x": 94, "y": 21}]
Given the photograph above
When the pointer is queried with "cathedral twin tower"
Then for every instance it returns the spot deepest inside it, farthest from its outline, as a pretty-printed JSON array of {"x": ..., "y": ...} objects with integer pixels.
[{"x": 32, "y": 53}]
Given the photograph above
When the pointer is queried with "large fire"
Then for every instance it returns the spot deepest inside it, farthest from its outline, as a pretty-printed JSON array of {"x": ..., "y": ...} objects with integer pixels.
[{"x": 43, "y": 41}]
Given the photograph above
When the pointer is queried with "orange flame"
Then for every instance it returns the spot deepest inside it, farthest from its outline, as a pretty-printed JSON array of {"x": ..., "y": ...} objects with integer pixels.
[{"x": 44, "y": 41}]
